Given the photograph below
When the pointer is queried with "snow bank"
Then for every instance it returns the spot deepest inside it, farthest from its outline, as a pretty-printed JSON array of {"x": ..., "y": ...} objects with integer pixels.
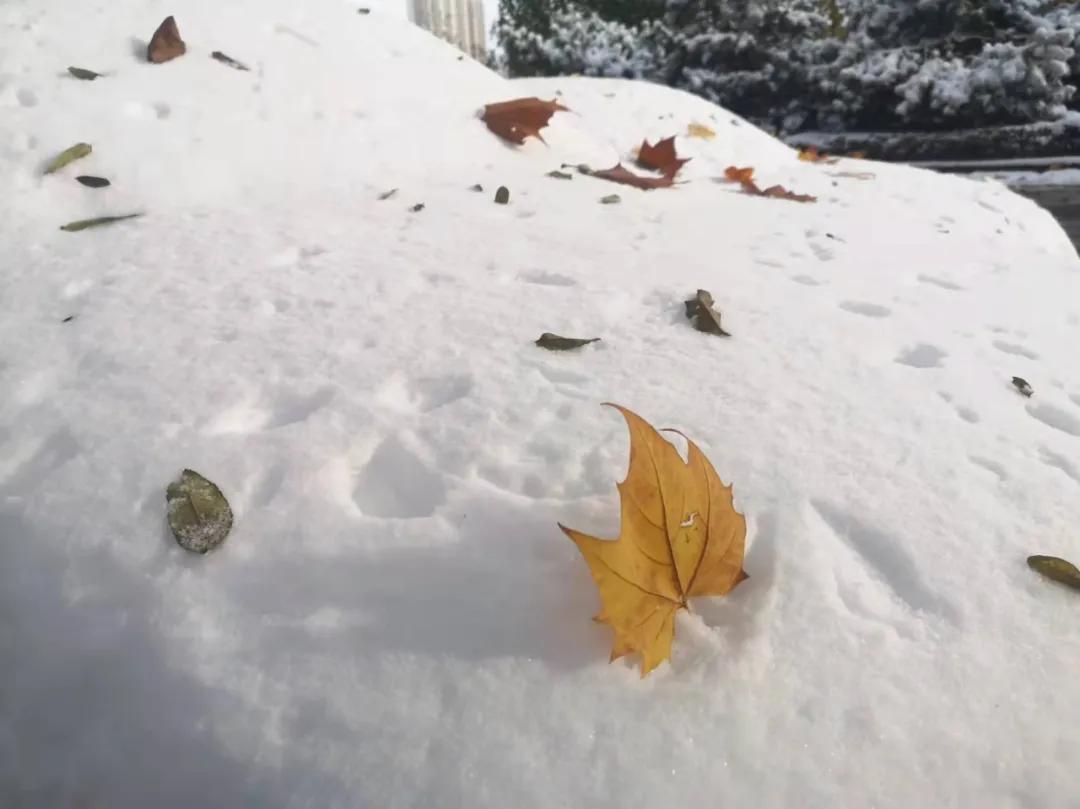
[{"x": 395, "y": 620}]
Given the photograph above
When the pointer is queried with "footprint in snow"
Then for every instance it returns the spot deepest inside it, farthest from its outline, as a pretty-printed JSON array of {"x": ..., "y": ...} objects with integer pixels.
[
  {"x": 1055, "y": 417},
  {"x": 865, "y": 309},
  {"x": 396, "y": 484},
  {"x": 922, "y": 355},
  {"x": 1015, "y": 349}
]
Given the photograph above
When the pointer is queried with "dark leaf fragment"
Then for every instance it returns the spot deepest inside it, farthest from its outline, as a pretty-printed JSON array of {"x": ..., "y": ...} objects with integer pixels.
[
  {"x": 84, "y": 74},
  {"x": 93, "y": 182},
  {"x": 387, "y": 194},
  {"x": 502, "y": 195},
  {"x": 700, "y": 312},
  {"x": 229, "y": 61},
  {"x": 1022, "y": 385},
  {"x": 553, "y": 342},
  {"x": 417, "y": 207}
]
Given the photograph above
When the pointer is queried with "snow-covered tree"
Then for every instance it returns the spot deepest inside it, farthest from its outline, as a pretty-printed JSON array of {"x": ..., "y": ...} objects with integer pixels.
[
  {"x": 577, "y": 41},
  {"x": 795, "y": 65}
]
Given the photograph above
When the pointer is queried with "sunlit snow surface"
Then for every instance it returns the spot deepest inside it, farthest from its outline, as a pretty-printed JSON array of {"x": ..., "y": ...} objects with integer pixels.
[{"x": 396, "y": 620}]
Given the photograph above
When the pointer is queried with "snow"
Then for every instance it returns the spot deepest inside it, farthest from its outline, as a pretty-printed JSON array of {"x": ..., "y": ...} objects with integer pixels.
[
  {"x": 1050, "y": 177},
  {"x": 395, "y": 620}
]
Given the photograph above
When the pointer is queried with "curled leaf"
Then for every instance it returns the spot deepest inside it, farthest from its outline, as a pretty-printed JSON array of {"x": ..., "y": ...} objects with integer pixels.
[
  {"x": 553, "y": 342},
  {"x": 741, "y": 175},
  {"x": 700, "y": 311},
  {"x": 745, "y": 178},
  {"x": 86, "y": 224},
  {"x": 199, "y": 515},
  {"x": 520, "y": 118},
  {"x": 1057, "y": 569},
  {"x": 69, "y": 155}
]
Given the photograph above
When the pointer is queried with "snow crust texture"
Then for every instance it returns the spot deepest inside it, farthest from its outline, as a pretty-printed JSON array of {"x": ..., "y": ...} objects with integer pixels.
[{"x": 395, "y": 620}]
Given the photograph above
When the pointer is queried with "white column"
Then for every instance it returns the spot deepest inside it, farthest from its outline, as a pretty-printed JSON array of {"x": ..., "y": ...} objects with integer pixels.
[{"x": 459, "y": 22}]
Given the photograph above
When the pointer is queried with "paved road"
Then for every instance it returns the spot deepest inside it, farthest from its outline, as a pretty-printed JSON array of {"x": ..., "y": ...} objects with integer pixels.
[{"x": 1062, "y": 201}]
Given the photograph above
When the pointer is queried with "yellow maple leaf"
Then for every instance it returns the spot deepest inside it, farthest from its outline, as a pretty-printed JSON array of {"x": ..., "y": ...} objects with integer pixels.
[
  {"x": 680, "y": 537},
  {"x": 695, "y": 130}
]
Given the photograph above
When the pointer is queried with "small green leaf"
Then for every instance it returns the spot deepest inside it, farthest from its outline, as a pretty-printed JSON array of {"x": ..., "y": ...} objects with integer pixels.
[
  {"x": 1057, "y": 569},
  {"x": 199, "y": 515},
  {"x": 553, "y": 342},
  {"x": 69, "y": 155},
  {"x": 85, "y": 224},
  {"x": 82, "y": 73},
  {"x": 610, "y": 199},
  {"x": 560, "y": 175}
]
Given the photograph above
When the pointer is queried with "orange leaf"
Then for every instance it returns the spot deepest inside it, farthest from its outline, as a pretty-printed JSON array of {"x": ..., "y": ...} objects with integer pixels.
[
  {"x": 739, "y": 175},
  {"x": 745, "y": 178},
  {"x": 680, "y": 537},
  {"x": 521, "y": 118},
  {"x": 620, "y": 174},
  {"x": 661, "y": 157},
  {"x": 779, "y": 192},
  {"x": 811, "y": 155}
]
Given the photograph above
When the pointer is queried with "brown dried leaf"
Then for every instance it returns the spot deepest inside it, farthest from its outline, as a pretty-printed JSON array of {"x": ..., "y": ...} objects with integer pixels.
[
  {"x": 779, "y": 192},
  {"x": 166, "y": 43},
  {"x": 739, "y": 175},
  {"x": 661, "y": 157},
  {"x": 702, "y": 315},
  {"x": 520, "y": 118},
  {"x": 621, "y": 174},
  {"x": 555, "y": 342}
]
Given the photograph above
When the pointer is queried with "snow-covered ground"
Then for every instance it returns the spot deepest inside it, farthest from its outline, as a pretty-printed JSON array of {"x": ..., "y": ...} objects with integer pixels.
[{"x": 396, "y": 620}]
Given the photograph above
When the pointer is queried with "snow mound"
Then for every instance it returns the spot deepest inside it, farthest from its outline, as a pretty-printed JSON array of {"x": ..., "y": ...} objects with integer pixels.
[{"x": 395, "y": 620}]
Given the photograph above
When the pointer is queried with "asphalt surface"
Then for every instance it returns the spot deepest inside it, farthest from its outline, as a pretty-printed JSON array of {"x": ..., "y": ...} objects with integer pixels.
[{"x": 1062, "y": 201}]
